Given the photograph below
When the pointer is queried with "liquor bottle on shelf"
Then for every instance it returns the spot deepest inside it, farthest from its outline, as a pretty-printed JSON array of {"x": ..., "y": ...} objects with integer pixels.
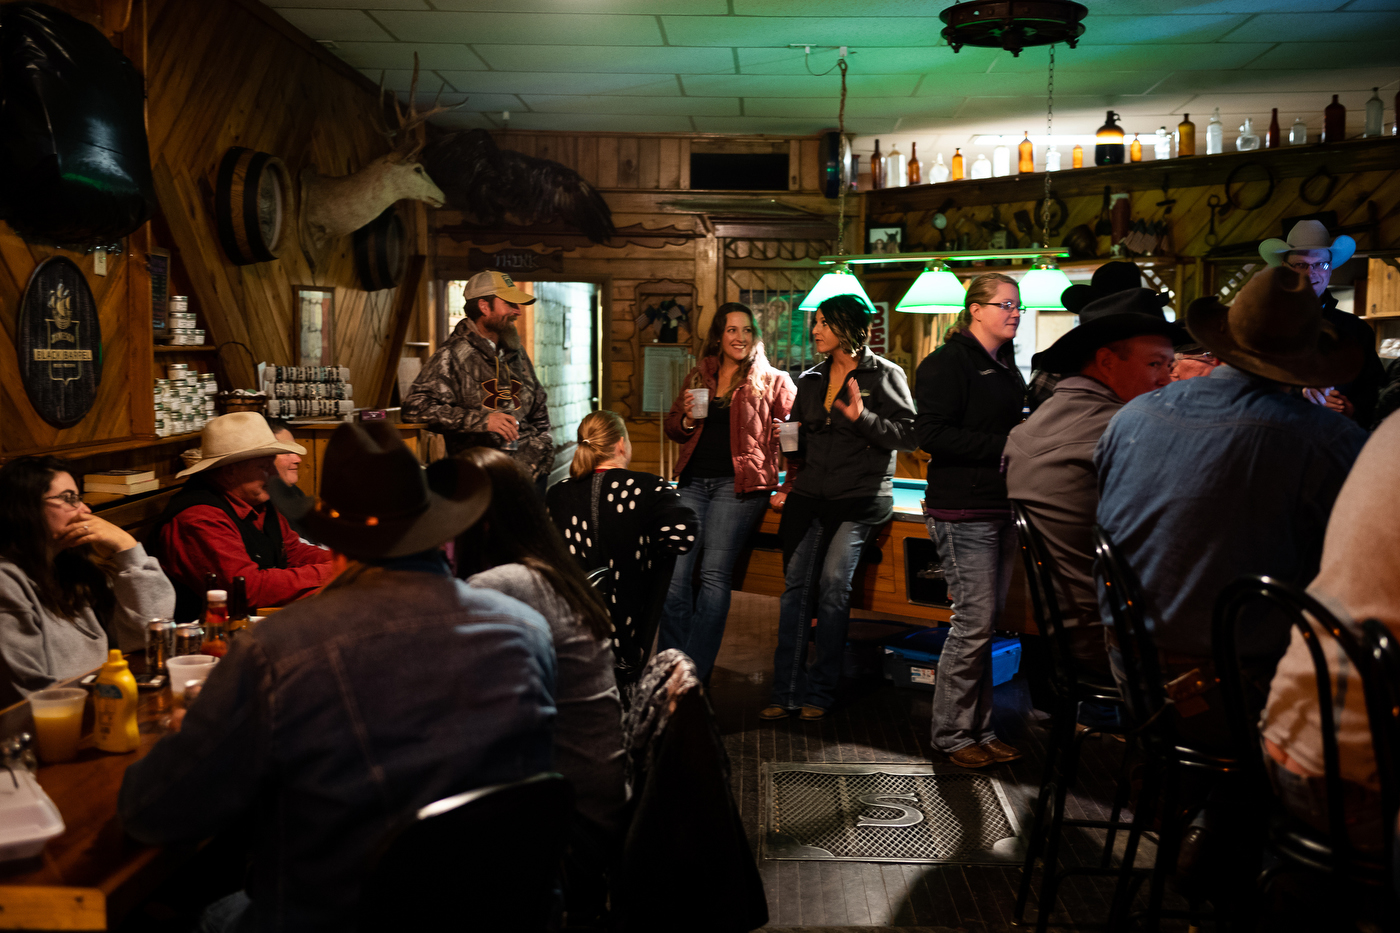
[
  {"x": 877, "y": 169},
  {"x": 1275, "y": 136},
  {"x": 938, "y": 172},
  {"x": 1052, "y": 159},
  {"x": 1108, "y": 142},
  {"x": 981, "y": 168},
  {"x": 1215, "y": 134},
  {"x": 1185, "y": 137},
  {"x": 1076, "y": 156},
  {"x": 1248, "y": 140},
  {"x": 1001, "y": 161},
  {"x": 1026, "y": 155},
  {"x": 1298, "y": 133},
  {"x": 915, "y": 170},
  {"x": 1135, "y": 150},
  {"x": 1162, "y": 147},
  {"x": 895, "y": 169},
  {"x": 1375, "y": 113},
  {"x": 957, "y": 172},
  {"x": 1334, "y": 121}
]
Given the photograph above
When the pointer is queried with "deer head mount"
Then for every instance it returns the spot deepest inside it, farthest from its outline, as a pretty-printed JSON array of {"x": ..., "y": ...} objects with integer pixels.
[{"x": 334, "y": 207}]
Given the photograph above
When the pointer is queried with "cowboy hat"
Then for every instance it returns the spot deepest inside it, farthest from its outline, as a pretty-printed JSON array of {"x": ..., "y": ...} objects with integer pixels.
[
  {"x": 1275, "y": 329},
  {"x": 375, "y": 502},
  {"x": 242, "y": 435},
  {"x": 1124, "y": 314},
  {"x": 1108, "y": 278},
  {"x": 1307, "y": 235}
]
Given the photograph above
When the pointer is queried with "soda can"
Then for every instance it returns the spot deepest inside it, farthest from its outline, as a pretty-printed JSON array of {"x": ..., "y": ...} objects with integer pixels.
[
  {"x": 160, "y": 644},
  {"x": 189, "y": 638}
]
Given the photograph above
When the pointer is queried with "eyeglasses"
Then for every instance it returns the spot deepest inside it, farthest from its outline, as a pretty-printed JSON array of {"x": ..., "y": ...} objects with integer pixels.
[
  {"x": 1306, "y": 267},
  {"x": 1007, "y": 305},
  {"x": 68, "y": 498}
]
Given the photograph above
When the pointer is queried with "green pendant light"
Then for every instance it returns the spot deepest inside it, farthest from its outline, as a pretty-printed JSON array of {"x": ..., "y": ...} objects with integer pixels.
[
  {"x": 839, "y": 281},
  {"x": 935, "y": 291},
  {"x": 1042, "y": 287}
]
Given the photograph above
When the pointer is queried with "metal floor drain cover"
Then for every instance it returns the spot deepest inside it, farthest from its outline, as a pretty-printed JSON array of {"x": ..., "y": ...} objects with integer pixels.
[{"x": 887, "y": 813}]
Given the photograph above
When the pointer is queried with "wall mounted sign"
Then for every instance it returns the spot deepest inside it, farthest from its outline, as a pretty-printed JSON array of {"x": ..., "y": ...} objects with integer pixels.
[
  {"x": 60, "y": 343},
  {"x": 515, "y": 261},
  {"x": 879, "y": 342},
  {"x": 158, "y": 265}
]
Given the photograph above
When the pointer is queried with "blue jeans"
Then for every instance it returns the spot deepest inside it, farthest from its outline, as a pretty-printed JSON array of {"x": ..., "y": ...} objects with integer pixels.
[
  {"x": 830, "y": 570},
  {"x": 693, "y": 622},
  {"x": 977, "y": 560}
]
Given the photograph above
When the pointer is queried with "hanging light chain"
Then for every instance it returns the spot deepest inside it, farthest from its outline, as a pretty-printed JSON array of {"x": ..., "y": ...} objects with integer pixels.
[
  {"x": 841, "y": 180},
  {"x": 1049, "y": 143}
]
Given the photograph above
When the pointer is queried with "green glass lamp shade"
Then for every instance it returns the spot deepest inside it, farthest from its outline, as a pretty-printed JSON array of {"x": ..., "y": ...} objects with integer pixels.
[
  {"x": 839, "y": 281},
  {"x": 935, "y": 291},
  {"x": 1042, "y": 287}
]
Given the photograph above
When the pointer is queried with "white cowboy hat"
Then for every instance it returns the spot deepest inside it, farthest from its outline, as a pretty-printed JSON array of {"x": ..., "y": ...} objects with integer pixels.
[
  {"x": 1306, "y": 235},
  {"x": 242, "y": 435}
]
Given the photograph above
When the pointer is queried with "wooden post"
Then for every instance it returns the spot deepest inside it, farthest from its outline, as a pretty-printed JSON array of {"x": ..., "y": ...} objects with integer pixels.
[{"x": 402, "y": 314}]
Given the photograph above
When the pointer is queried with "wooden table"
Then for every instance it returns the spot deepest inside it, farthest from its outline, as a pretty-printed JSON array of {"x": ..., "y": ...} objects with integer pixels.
[{"x": 92, "y": 875}]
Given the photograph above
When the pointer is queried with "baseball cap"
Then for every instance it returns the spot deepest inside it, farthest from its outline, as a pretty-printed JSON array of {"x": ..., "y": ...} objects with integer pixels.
[{"x": 488, "y": 283}]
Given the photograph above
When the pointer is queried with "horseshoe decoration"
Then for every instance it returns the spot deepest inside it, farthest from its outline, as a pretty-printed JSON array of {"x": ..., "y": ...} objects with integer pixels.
[
  {"x": 1058, "y": 213},
  {"x": 1309, "y": 183},
  {"x": 1234, "y": 195}
]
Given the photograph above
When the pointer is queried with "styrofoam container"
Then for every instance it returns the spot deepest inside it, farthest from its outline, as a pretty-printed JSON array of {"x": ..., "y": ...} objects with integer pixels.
[{"x": 28, "y": 818}]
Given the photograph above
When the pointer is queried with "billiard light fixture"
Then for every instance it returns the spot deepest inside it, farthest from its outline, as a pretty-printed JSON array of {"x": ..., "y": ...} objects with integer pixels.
[
  {"x": 932, "y": 292},
  {"x": 935, "y": 291},
  {"x": 839, "y": 281},
  {"x": 1042, "y": 287}
]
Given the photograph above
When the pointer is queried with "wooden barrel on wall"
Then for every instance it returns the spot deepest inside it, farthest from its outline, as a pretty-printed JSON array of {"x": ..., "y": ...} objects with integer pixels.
[
  {"x": 379, "y": 251},
  {"x": 250, "y": 205}
]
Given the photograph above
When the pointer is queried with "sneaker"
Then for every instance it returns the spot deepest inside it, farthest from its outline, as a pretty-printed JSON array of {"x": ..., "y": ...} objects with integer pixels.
[
  {"x": 773, "y": 712},
  {"x": 1000, "y": 751},
  {"x": 974, "y": 756}
]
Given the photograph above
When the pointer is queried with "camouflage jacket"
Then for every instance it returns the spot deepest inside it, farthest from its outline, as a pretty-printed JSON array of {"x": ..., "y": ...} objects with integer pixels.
[{"x": 458, "y": 389}]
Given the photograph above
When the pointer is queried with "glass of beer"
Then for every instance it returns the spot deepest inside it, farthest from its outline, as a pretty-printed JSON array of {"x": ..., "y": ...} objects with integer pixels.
[{"x": 58, "y": 722}]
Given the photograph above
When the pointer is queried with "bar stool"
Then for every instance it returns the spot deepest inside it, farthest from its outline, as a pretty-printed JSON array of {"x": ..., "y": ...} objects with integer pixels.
[
  {"x": 1062, "y": 755},
  {"x": 1147, "y": 705},
  {"x": 1298, "y": 844}
]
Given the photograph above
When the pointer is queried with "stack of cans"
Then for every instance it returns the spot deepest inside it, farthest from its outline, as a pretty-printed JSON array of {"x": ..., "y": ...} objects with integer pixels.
[{"x": 184, "y": 400}]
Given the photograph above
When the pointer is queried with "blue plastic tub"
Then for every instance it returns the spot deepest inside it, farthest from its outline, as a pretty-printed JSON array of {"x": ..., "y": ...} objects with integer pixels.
[{"x": 912, "y": 660}]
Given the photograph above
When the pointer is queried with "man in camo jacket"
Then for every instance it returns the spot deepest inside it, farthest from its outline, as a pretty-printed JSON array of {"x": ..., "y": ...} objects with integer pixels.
[{"x": 479, "y": 389}]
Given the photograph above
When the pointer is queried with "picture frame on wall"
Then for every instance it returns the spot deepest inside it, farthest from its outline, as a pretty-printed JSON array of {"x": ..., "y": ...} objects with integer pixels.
[
  {"x": 313, "y": 325},
  {"x": 884, "y": 238}
]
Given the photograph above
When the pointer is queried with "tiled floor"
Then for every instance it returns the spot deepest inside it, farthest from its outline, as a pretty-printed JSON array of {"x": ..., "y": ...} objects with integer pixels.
[{"x": 879, "y": 723}]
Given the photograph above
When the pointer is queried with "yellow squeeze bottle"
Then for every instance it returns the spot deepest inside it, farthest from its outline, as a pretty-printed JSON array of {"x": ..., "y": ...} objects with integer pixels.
[{"x": 115, "y": 705}]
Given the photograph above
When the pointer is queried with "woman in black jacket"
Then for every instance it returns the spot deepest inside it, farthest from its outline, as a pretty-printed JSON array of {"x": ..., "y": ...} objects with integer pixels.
[
  {"x": 854, "y": 413},
  {"x": 970, "y": 397}
]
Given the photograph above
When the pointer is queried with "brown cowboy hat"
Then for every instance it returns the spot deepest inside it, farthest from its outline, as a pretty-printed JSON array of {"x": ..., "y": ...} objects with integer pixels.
[
  {"x": 1275, "y": 329},
  {"x": 375, "y": 502}
]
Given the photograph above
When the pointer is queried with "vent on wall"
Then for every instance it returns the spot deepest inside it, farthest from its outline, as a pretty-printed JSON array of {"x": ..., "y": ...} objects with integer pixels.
[{"x": 735, "y": 171}]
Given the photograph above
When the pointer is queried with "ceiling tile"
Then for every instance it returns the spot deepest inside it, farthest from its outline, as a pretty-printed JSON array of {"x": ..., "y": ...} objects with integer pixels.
[
  {"x": 471, "y": 103},
  {"x": 779, "y": 126},
  {"x": 1165, "y": 57},
  {"x": 1380, "y": 53},
  {"x": 750, "y": 31},
  {"x": 401, "y": 79},
  {"x": 1374, "y": 5},
  {"x": 1243, "y": 81},
  {"x": 646, "y": 7},
  {"x": 347, "y": 25},
  {"x": 600, "y": 123},
  {"x": 518, "y": 28},
  {"x": 840, "y": 8},
  {"x": 462, "y": 121},
  {"x": 828, "y": 86},
  {"x": 1142, "y": 30},
  {"x": 439, "y": 55},
  {"x": 659, "y": 106},
  {"x": 1335, "y": 27},
  {"x": 855, "y": 109},
  {"x": 606, "y": 59},
  {"x": 1218, "y": 7},
  {"x": 280, "y": 5},
  {"x": 1031, "y": 84},
  {"x": 871, "y": 61},
  {"x": 515, "y": 82}
]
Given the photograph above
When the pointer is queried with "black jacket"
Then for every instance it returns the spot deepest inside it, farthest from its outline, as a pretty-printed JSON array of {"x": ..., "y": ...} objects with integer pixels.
[
  {"x": 843, "y": 459},
  {"x": 1365, "y": 389},
  {"x": 968, "y": 403}
]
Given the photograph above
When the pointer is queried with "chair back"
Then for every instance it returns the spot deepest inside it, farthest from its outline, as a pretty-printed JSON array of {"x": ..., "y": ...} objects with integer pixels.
[
  {"x": 1145, "y": 697},
  {"x": 1383, "y": 709},
  {"x": 486, "y": 860},
  {"x": 1307, "y": 616}
]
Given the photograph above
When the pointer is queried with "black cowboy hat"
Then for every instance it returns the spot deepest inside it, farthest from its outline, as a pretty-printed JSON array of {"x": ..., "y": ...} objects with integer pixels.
[
  {"x": 1118, "y": 316},
  {"x": 1275, "y": 329},
  {"x": 375, "y": 502},
  {"x": 1108, "y": 278}
]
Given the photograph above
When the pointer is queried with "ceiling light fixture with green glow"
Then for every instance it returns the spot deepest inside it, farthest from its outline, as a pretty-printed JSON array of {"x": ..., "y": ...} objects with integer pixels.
[
  {"x": 839, "y": 281},
  {"x": 1042, "y": 287},
  {"x": 935, "y": 291}
]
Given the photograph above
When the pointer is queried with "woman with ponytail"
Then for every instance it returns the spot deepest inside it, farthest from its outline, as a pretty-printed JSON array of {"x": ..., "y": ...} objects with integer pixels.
[
  {"x": 629, "y": 524},
  {"x": 728, "y": 466}
]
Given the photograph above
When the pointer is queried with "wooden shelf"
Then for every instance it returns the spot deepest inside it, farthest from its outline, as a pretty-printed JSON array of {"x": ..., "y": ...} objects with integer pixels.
[{"x": 166, "y": 348}]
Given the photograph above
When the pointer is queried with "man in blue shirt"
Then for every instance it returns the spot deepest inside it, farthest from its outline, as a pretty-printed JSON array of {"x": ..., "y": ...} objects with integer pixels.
[{"x": 1228, "y": 474}]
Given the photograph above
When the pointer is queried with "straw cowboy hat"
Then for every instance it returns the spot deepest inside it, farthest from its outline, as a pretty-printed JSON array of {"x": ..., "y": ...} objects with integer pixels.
[
  {"x": 242, "y": 435},
  {"x": 1307, "y": 235},
  {"x": 375, "y": 502},
  {"x": 1275, "y": 329},
  {"x": 1118, "y": 316}
]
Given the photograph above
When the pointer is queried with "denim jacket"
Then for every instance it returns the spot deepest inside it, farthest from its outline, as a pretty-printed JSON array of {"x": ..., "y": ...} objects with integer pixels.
[
  {"x": 1213, "y": 477},
  {"x": 339, "y": 715}
]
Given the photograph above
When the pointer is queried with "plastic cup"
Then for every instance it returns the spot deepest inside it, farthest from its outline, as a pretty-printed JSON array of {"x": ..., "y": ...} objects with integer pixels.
[
  {"x": 188, "y": 669},
  {"x": 788, "y": 436},
  {"x": 58, "y": 722},
  {"x": 699, "y": 403}
]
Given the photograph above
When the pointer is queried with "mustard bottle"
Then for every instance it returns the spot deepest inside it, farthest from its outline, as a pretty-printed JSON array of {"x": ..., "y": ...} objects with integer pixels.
[{"x": 115, "y": 705}]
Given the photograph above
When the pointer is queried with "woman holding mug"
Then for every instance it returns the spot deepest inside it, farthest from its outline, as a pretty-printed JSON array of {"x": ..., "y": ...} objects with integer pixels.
[
  {"x": 728, "y": 464},
  {"x": 855, "y": 414},
  {"x": 970, "y": 397}
]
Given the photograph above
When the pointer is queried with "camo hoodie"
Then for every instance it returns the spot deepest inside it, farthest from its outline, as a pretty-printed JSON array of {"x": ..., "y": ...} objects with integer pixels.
[{"x": 457, "y": 391}]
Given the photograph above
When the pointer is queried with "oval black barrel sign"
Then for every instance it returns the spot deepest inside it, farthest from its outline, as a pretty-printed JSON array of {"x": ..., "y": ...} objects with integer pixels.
[{"x": 60, "y": 343}]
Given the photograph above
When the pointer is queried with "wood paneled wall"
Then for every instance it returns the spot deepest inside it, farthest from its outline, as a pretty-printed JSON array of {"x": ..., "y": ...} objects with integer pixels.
[{"x": 219, "y": 73}]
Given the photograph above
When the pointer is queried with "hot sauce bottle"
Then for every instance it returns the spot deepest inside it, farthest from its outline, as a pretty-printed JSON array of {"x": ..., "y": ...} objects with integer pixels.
[{"x": 215, "y": 623}]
